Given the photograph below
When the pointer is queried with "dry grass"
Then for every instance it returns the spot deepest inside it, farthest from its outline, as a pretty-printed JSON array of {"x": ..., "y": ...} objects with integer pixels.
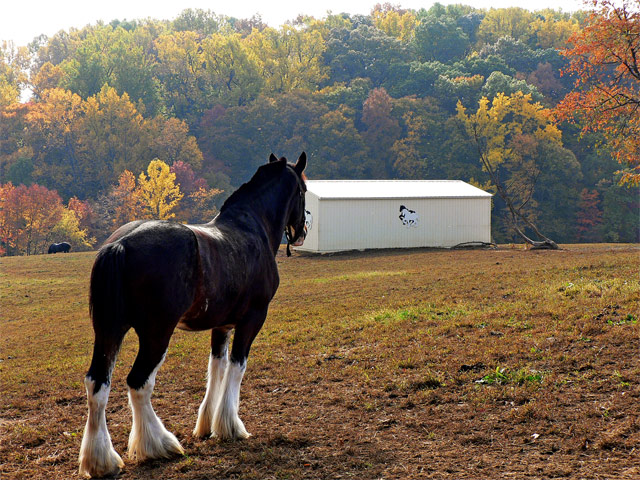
[{"x": 399, "y": 364}]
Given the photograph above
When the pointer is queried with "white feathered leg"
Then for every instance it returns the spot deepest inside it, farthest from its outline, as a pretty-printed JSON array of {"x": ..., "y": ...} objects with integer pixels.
[
  {"x": 226, "y": 423},
  {"x": 97, "y": 455},
  {"x": 215, "y": 375},
  {"x": 149, "y": 438}
]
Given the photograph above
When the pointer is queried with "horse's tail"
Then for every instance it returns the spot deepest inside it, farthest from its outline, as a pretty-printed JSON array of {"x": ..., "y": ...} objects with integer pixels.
[
  {"x": 106, "y": 304},
  {"x": 107, "y": 310}
]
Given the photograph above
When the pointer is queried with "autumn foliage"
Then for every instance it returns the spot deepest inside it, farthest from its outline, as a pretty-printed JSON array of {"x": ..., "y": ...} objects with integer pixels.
[
  {"x": 33, "y": 217},
  {"x": 511, "y": 135},
  {"x": 366, "y": 96},
  {"x": 605, "y": 63}
]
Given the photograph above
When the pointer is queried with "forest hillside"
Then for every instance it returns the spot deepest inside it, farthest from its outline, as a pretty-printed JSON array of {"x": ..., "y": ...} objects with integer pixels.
[{"x": 194, "y": 104}]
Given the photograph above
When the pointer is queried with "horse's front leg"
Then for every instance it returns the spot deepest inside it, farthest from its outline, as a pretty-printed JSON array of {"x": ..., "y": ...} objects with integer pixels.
[
  {"x": 218, "y": 363},
  {"x": 226, "y": 422}
]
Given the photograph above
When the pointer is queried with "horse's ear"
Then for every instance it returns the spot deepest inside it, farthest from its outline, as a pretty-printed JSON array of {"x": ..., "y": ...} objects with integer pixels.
[
  {"x": 301, "y": 164},
  {"x": 272, "y": 158}
]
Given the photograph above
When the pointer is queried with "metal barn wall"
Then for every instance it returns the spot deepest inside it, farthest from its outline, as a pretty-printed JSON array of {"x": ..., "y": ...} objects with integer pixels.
[
  {"x": 311, "y": 240},
  {"x": 345, "y": 224}
]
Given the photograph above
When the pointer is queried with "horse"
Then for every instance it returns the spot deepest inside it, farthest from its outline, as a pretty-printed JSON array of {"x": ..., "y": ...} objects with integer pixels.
[
  {"x": 156, "y": 276},
  {"x": 63, "y": 247}
]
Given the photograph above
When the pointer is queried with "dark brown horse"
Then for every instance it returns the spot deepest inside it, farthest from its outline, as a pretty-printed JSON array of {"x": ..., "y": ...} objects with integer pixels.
[
  {"x": 154, "y": 276},
  {"x": 63, "y": 247}
]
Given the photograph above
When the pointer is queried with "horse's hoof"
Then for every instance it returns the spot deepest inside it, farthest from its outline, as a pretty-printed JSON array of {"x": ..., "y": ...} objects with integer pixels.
[
  {"x": 109, "y": 466},
  {"x": 162, "y": 444}
]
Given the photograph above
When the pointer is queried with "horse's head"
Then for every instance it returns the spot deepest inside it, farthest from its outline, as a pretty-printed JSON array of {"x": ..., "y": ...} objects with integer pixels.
[{"x": 295, "y": 228}]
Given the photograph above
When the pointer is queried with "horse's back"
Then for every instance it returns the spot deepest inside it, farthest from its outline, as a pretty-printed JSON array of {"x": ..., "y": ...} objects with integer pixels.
[{"x": 161, "y": 265}]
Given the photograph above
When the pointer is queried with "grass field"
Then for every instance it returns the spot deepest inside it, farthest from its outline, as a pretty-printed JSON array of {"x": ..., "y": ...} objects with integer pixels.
[{"x": 484, "y": 364}]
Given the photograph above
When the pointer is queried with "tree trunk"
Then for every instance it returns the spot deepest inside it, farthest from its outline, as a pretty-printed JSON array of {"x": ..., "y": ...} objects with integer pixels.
[{"x": 544, "y": 243}]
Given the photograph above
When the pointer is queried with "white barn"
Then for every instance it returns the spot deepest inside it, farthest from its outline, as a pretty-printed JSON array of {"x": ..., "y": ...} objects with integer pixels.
[{"x": 363, "y": 214}]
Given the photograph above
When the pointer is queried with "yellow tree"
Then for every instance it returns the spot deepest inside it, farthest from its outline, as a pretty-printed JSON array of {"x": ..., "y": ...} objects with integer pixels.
[
  {"x": 511, "y": 22},
  {"x": 553, "y": 33},
  {"x": 181, "y": 69},
  {"x": 395, "y": 23},
  {"x": 507, "y": 134},
  {"x": 158, "y": 191},
  {"x": 68, "y": 228},
  {"x": 170, "y": 140},
  {"x": 232, "y": 68},
  {"x": 113, "y": 135},
  {"x": 289, "y": 58}
]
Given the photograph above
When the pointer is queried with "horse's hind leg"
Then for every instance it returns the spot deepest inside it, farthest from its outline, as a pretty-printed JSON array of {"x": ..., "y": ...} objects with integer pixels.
[
  {"x": 218, "y": 363},
  {"x": 97, "y": 455},
  {"x": 226, "y": 422},
  {"x": 149, "y": 438}
]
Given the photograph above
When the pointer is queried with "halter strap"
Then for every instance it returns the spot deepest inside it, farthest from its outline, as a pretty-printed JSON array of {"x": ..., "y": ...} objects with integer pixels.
[{"x": 302, "y": 189}]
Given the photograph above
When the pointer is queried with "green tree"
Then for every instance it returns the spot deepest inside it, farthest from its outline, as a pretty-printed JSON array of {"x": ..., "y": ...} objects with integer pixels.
[
  {"x": 55, "y": 137},
  {"x": 418, "y": 153},
  {"x": 463, "y": 89},
  {"x": 440, "y": 39},
  {"x": 498, "y": 82},
  {"x": 204, "y": 22},
  {"x": 364, "y": 52},
  {"x": 111, "y": 56},
  {"x": 14, "y": 63},
  {"x": 620, "y": 212},
  {"x": 338, "y": 147},
  {"x": 409, "y": 158},
  {"x": 16, "y": 155}
]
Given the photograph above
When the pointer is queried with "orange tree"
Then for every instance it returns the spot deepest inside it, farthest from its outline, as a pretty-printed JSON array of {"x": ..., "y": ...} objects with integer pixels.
[
  {"x": 604, "y": 58},
  {"x": 34, "y": 216}
]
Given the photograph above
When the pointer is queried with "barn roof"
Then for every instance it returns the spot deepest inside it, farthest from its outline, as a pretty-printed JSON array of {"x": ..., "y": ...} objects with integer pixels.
[{"x": 387, "y": 189}]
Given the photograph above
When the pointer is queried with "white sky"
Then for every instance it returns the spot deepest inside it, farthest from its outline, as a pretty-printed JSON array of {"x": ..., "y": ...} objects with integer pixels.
[{"x": 21, "y": 22}]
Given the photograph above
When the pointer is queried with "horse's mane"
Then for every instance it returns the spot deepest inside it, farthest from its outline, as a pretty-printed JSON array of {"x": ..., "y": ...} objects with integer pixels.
[{"x": 264, "y": 174}]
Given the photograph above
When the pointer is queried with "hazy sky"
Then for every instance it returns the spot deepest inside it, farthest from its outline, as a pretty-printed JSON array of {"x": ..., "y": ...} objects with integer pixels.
[{"x": 21, "y": 22}]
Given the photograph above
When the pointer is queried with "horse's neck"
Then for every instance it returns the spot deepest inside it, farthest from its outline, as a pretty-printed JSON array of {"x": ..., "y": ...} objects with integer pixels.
[{"x": 266, "y": 211}]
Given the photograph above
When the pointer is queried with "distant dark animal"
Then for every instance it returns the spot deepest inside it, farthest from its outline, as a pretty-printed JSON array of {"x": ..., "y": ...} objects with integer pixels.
[
  {"x": 154, "y": 276},
  {"x": 63, "y": 247},
  {"x": 408, "y": 217}
]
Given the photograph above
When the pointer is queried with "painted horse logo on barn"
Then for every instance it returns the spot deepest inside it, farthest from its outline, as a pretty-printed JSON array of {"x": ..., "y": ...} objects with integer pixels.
[
  {"x": 308, "y": 219},
  {"x": 409, "y": 218}
]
